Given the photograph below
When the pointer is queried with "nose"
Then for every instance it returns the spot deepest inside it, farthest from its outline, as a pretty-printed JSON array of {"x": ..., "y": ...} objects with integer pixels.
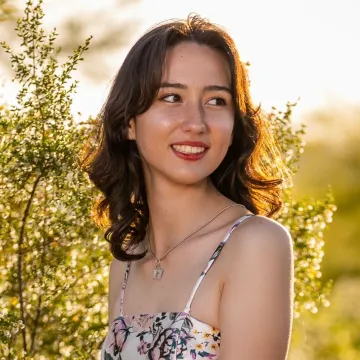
[{"x": 194, "y": 119}]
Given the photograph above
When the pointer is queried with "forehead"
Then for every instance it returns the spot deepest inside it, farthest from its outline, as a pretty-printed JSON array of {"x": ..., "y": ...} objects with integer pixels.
[{"x": 190, "y": 62}]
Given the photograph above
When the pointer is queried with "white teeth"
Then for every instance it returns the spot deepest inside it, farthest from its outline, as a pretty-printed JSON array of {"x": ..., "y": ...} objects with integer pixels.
[{"x": 185, "y": 149}]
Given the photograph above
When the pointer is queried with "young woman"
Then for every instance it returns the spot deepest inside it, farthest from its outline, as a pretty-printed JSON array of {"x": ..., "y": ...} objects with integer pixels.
[{"x": 186, "y": 166}]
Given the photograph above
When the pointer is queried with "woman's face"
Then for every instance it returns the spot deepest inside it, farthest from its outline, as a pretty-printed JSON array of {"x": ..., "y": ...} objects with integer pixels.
[{"x": 185, "y": 134}]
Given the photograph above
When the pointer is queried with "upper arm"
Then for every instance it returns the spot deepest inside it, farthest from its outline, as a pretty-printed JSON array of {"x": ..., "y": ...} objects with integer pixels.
[
  {"x": 116, "y": 276},
  {"x": 257, "y": 301}
]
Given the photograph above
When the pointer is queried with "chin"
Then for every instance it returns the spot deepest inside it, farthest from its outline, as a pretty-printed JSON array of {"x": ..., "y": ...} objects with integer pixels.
[
  {"x": 189, "y": 179},
  {"x": 181, "y": 175}
]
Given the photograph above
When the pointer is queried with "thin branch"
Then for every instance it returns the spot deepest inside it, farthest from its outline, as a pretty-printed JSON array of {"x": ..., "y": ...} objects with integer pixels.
[
  {"x": 36, "y": 323},
  {"x": 38, "y": 310},
  {"x": 20, "y": 258}
]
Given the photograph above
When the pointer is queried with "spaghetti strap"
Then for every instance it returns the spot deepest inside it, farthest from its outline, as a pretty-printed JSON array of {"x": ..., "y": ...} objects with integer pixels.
[
  {"x": 123, "y": 287},
  {"x": 212, "y": 260}
]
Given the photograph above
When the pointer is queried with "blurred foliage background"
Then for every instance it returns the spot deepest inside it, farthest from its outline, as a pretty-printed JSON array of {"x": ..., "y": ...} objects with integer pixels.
[{"x": 331, "y": 157}]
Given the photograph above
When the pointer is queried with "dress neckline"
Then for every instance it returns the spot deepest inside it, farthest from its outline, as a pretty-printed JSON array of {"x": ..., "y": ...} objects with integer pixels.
[{"x": 161, "y": 313}]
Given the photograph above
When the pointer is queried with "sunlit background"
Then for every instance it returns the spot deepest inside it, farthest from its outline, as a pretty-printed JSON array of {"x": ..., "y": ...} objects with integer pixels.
[
  {"x": 297, "y": 49},
  {"x": 303, "y": 50}
]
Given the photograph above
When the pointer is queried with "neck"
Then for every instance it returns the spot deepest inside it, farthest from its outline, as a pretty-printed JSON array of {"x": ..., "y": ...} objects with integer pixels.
[{"x": 177, "y": 211}]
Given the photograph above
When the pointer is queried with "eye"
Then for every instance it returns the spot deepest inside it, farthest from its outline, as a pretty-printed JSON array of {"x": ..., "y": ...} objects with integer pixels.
[
  {"x": 171, "y": 98},
  {"x": 217, "y": 101}
]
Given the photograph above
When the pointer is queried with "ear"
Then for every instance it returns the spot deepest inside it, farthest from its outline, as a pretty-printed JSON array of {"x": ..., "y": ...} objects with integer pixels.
[{"x": 131, "y": 130}]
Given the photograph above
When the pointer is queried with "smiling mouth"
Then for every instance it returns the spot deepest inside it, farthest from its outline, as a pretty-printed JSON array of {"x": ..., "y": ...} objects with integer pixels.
[{"x": 188, "y": 150}]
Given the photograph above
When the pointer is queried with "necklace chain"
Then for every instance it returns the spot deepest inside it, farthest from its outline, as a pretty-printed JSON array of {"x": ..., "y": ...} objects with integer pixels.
[{"x": 157, "y": 261}]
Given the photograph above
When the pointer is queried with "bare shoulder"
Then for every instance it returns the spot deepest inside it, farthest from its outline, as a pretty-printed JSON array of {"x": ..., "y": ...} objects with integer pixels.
[
  {"x": 116, "y": 272},
  {"x": 262, "y": 241},
  {"x": 116, "y": 276},
  {"x": 259, "y": 235},
  {"x": 261, "y": 225},
  {"x": 117, "y": 269},
  {"x": 257, "y": 297}
]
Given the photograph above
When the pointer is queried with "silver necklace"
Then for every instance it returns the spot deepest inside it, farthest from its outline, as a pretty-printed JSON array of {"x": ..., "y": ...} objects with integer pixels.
[{"x": 158, "y": 271}]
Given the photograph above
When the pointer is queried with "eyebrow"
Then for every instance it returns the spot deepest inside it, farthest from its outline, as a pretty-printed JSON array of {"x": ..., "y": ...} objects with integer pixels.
[{"x": 206, "y": 88}]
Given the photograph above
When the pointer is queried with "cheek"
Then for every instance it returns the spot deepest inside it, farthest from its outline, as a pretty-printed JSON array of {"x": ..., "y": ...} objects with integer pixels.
[
  {"x": 222, "y": 129},
  {"x": 153, "y": 129},
  {"x": 157, "y": 120}
]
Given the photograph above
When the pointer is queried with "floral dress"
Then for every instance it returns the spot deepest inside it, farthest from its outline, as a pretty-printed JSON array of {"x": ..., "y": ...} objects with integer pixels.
[{"x": 165, "y": 335}]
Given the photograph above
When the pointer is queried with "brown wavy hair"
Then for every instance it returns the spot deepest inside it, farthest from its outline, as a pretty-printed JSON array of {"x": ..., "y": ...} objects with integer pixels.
[{"x": 250, "y": 174}]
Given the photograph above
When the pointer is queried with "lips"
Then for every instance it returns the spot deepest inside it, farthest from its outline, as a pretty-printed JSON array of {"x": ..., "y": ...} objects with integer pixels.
[
  {"x": 186, "y": 149},
  {"x": 192, "y": 143},
  {"x": 190, "y": 150}
]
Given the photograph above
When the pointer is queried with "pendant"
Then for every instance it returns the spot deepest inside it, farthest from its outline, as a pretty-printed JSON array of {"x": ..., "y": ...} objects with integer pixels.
[{"x": 158, "y": 271}]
